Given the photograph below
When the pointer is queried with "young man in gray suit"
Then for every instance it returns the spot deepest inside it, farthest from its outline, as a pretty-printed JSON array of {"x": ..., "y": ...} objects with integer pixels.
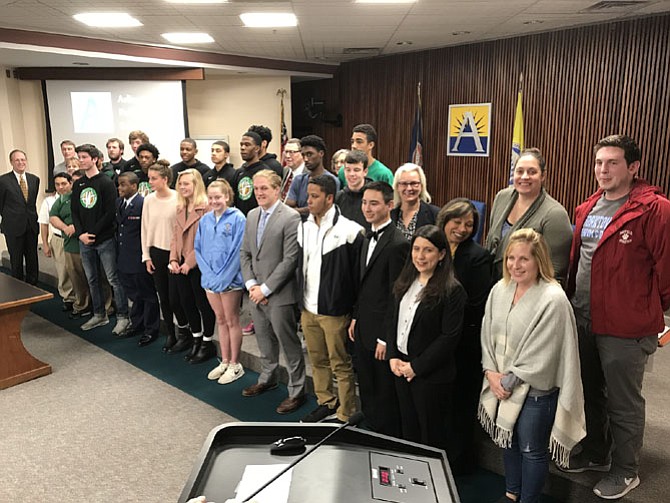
[{"x": 269, "y": 257}]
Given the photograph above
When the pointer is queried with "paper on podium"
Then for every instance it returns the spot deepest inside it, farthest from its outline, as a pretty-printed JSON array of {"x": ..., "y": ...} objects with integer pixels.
[{"x": 255, "y": 476}]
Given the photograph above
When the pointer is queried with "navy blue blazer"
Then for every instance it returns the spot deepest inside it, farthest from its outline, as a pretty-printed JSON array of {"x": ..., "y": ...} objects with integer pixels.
[{"x": 129, "y": 236}]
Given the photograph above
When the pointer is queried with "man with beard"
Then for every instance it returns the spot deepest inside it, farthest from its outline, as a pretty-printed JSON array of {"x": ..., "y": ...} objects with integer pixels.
[
  {"x": 188, "y": 150},
  {"x": 243, "y": 185},
  {"x": 222, "y": 168},
  {"x": 116, "y": 162},
  {"x": 270, "y": 160},
  {"x": 313, "y": 150}
]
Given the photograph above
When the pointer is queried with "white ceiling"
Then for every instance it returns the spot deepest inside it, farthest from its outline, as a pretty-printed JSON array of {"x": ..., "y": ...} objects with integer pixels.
[{"x": 326, "y": 28}]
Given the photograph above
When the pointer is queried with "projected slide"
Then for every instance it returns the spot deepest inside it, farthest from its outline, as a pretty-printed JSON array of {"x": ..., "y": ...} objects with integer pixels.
[{"x": 92, "y": 112}]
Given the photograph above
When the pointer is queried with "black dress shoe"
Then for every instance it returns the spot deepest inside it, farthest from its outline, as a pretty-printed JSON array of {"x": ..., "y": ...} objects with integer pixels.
[
  {"x": 67, "y": 306},
  {"x": 197, "y": 342},
  {"x": 184, "y": 341},
  {"x": 147, "y": 339},
  {"x": 128, "y": 333}
]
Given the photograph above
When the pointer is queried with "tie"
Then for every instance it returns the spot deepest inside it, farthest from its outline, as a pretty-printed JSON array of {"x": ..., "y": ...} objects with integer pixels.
[
  {"x": 261, "y": 227},
  {"x": 287, "y": 186},
  {"x": 124, "y": 207},
  {"x": 376, "y": 234},
  {"x": 24, "y": 187}
]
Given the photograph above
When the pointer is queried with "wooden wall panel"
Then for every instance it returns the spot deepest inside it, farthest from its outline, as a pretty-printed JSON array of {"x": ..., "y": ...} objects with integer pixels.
[{"x": 579, "y": 85}]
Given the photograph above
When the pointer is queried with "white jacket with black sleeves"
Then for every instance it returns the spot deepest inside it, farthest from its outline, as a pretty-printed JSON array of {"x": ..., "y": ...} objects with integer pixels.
[{"x": 329, "y": 263}]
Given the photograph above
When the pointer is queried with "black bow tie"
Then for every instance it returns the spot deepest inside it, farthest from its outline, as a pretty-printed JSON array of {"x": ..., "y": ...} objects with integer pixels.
[{"x": 376, "y": 234}]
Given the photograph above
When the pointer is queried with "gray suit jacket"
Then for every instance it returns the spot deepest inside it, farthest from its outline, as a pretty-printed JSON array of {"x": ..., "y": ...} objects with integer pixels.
[{"x": 274, "y": 262}]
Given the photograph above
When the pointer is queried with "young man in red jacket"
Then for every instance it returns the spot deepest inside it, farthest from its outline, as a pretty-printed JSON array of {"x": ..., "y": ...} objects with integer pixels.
[{"x": 619, "y": 285}]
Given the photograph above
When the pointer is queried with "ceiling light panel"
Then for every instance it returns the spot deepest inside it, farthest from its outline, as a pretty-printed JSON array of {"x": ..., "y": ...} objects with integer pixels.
[
  {"x": 188, "y": 38},
  {"x": 107, "y": 19},
  {"x": 269, "y": 19}
]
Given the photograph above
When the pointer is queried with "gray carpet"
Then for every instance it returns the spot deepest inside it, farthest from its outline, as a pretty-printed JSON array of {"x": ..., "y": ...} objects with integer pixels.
[{"x": 97, "y": 429}]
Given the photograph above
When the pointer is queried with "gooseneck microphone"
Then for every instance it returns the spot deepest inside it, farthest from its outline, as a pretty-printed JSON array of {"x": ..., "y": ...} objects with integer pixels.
[{"x": 354, "y": 420}]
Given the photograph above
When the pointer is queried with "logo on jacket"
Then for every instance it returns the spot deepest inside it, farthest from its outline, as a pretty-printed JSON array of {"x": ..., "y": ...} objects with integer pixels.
[
  {"x": 144, "y": 189},
  {"x": 245, "y": 188},
  {"x": 625, "y": 236},
  {"x": 88, "y": 198}
]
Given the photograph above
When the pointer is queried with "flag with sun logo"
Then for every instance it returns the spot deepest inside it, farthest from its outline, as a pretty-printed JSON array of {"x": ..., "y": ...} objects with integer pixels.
[{"x": 470, "y": 130}]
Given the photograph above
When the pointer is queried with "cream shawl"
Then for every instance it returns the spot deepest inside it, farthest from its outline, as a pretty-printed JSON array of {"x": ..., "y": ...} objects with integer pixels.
[{"x": 537, "y": 341}]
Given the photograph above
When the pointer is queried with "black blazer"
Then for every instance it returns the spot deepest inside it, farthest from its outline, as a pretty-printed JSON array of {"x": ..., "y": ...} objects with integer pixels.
[
  {"x": 18, "y": 215},
  {"x": 433, "y": 337},
  {"x": 473, "y": 267},
  {"x": 128, "y": 236},
  {"x": 371, "y": 310},
  {"x": 427, "y": 214}
]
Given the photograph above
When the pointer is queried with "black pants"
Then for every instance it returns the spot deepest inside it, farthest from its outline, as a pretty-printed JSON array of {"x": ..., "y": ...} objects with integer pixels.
[
  {"x": 424, "y": 409},
  {"x": 195, "y": 304},
  {"x": 377, "y": 391},
  {"x": 167, "y": 289},
  {"x": 145, "y": 313},
  {"x": 20, "y": 247}
]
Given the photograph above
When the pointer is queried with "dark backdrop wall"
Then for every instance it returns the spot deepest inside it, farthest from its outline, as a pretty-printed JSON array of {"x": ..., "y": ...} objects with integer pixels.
[{"x": 579, "y": 85}]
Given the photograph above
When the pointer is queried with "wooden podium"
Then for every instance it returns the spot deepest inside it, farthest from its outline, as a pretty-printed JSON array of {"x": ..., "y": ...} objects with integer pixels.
[{"x": 16, "y": 364}]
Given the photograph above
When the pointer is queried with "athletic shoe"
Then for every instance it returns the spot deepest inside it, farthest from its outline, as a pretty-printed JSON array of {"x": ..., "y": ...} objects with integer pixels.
[
  {"x": 613, "y": 487},
  {"x": 217, "y": 371},
  {"x": 579, "y": 463},
  {"x": 321, "y": 413},
  {"x": 249, "y": 329},
  {"x": 98, "y": 320},
  {"x": 122, "y": 323},
  {"x": 232, "y": 373}
]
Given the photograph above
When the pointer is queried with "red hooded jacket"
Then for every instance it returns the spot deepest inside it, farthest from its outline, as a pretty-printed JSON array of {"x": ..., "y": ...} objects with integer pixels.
[{"x": 630, "y": 272}]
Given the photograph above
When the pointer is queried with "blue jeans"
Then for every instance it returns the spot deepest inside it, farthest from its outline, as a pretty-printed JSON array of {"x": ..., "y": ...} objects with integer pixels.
[
  {"x": 527, "y": 461},
  {"x": 106, "y": 253}
]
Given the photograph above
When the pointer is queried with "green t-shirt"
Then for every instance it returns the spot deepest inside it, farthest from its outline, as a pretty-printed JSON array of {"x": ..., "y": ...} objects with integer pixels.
[
  {"x": 376, "y": 171},
  {"x": 62, "y": 209}
]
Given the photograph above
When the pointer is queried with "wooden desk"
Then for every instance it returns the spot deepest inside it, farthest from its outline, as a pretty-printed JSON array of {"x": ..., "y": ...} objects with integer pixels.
[{"x": 16, "y": 364}]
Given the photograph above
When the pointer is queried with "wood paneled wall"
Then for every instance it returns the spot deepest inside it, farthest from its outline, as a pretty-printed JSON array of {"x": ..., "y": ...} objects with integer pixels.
[{"x": 579, "y": 85}]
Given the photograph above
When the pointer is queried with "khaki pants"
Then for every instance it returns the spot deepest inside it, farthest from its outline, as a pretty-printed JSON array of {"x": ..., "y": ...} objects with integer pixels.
[
  {"x": 79, "y": 282},
  {"x": 325, "y": 337},
  {"x": 65, "y": 288}
]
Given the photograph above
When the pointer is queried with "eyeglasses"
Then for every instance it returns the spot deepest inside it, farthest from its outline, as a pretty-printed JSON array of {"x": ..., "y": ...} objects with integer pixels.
[
  {"x": 291, "y": 152},
  {"x": 414, "y": 185}
]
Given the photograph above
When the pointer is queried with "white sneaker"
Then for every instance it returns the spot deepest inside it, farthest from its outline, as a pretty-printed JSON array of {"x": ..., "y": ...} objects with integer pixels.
[
  {"x": 97, "y": 320},
  {"x": 232, "y": 373},
  {"x": 217, "y": 371},
  {"x": 122, "y": 323}
]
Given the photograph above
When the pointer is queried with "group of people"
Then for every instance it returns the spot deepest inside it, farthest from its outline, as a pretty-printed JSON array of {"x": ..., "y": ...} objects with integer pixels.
[{"x": 530, "y": 335}]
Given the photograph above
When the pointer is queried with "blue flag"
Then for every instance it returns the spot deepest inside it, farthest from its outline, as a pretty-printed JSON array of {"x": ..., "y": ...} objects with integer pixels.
[{"x": 416, "y": 141}]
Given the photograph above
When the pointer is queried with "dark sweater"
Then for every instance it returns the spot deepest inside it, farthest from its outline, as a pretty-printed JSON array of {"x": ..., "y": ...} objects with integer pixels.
[
  {"x": 245, "y": 199},
  {"x": 180, "y": 166},
  {"x": 349, "y": 203},
  {"x": 270, "y": 160},
  {"x": 93, "y": 209},
  {"x": 227, "y": 172}
]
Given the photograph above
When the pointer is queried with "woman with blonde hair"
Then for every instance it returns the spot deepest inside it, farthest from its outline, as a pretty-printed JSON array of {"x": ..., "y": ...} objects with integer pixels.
[
  {"x": 532, "y": 400},
  {"x": 191, "y": 206},
  {"x": 412, "y": 200}
]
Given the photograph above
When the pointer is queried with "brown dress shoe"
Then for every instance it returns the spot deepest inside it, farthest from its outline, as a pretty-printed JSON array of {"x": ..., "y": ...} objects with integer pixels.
[
  {"x": 291, "y": 404},
  {"x": 257, "y": 389}
]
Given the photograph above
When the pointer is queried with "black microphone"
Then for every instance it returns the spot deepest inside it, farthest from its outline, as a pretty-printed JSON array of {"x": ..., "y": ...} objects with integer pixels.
[{"x": 354, "y": 420}]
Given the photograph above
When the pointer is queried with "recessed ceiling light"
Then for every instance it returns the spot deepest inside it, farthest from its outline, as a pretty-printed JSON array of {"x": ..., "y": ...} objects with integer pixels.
[
  {"x": 534, "y": 21},
  {"x": 386, "y": 1},
  {"x": 107, "y": 19},
  {"x": 268, "y": 19},
  {"x": 188, "y": 38},
  {"x": 196, "y": 1}
]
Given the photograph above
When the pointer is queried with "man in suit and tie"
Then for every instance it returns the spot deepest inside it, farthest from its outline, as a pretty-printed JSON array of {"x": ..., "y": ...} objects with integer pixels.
[
  {"x": 18, "y": 208},
  {"x": 269, "y": 258},
  {"x": 382, "y": 258},
  {"x": 136, "y": 281}
]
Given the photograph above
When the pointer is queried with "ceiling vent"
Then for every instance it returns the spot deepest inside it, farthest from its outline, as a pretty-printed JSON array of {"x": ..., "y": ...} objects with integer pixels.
[
  {"x": 361, "y": 50},
  {"x": 616, "y": 5}
]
